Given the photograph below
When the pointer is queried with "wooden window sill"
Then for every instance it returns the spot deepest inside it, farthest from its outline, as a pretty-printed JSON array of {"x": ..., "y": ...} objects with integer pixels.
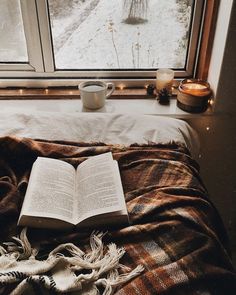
[{"x": 67, "y": 93}]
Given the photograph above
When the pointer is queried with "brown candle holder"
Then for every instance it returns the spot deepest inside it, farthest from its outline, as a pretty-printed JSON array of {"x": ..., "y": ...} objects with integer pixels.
[{"x": 193, "y": 95}]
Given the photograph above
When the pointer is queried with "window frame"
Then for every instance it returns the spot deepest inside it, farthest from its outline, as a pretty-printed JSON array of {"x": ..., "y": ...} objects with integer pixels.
[
  {"x": 33, "y": 43},
  {"x": 40, "y": 72}
]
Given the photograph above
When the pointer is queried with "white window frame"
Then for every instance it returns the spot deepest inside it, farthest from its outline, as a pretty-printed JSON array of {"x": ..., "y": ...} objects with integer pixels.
[
  {"x": 32, "y": 36},
  {"x": 40, "y": 71}
]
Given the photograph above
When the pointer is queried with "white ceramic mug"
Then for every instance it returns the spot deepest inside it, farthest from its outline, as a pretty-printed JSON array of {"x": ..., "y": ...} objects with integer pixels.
[{"x": 94, "y": 93}]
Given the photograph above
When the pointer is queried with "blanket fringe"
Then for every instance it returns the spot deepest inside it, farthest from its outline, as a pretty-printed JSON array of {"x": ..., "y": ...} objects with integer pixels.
[{"x": 60, "y": 272}]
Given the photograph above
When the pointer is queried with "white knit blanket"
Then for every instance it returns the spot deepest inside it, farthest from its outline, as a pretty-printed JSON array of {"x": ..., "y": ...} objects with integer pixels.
[{"x": 73, "y": 271}]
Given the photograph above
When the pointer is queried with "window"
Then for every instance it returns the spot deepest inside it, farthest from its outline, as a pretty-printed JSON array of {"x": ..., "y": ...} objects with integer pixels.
[
  {"x": 13, "y": 43},
  {"x": 60, "y": 41}
]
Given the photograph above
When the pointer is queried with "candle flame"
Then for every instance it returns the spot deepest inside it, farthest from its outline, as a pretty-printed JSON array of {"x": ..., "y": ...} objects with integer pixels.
[{"x": 195, "y": 86}]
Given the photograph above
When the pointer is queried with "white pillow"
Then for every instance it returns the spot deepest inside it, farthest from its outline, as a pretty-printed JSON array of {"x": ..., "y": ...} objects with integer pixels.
[{"x": 99, "y": 127}]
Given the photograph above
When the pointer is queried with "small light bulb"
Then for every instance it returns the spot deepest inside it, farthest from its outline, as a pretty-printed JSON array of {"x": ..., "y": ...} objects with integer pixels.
[
  {"x": 21, "y": 91},
  {"x": 207, "y": 128},
  {"x": 211, "y": 102},
  {"x": 46, "y": 91},
  {"x": 121, "y": 86}
]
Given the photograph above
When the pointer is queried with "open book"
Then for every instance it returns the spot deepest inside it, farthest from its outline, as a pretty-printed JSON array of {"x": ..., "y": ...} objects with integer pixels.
[{"x": 59, "y": 196}]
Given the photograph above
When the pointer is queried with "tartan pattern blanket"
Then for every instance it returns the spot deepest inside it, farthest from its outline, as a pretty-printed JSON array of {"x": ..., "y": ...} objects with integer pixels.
[{"x": 175, "y": 232}]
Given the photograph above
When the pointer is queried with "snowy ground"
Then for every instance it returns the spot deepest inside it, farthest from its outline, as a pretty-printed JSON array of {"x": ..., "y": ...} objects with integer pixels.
[
  {"x": 94, "y": 36},
  {"x": 12, "y": 39}
]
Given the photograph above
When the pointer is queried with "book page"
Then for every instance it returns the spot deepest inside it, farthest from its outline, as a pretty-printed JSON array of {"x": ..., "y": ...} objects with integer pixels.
[
  {"x": 51, "y": 188},
  {"x": 98, "y": 187}
]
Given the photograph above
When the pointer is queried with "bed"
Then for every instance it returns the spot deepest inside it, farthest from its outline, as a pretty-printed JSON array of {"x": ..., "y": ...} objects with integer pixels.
[{"x": 175, "y": 243}]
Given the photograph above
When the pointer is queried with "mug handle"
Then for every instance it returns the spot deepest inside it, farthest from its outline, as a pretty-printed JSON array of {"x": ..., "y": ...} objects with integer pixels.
[{"x": 112, "y": 89}]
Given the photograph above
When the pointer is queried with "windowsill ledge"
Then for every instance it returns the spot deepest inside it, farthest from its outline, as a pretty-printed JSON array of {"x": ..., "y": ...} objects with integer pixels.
[
  {"x": 67, "y": 93},
  {"x": 125, "y": 101},
  {"x": 147, "y": 106}
]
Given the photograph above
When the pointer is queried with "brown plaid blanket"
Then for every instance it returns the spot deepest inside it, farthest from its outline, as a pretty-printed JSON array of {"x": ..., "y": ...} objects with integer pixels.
[{"x": 175, "y": 232}]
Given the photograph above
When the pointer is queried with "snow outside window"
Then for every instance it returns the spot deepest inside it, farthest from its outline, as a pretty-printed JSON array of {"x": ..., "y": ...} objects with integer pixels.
[
  {"x": 48, "y": 41},
  {"x": 13, "y": 44},
  {"x": 120, "y": 34}
]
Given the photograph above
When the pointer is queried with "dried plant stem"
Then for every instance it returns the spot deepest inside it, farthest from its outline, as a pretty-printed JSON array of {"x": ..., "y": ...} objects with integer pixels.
[
  {"x": 116, "y": 51},
  {"x": 133, "y": 58},
  {"x": 138, "y": 48}
]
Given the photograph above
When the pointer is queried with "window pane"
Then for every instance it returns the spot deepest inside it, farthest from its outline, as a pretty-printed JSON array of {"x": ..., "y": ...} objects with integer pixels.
[
  {"x": 13, "y": 44},
  {"x": 120, "y": 34}
]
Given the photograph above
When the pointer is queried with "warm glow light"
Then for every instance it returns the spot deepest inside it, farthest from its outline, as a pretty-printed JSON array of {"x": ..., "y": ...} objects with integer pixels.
[
  {"x": 70, "y": 92},
  {"x": 194, "y": 95},
  {"x": 121, "y": 86},
  {"x": 211, "y": 102},
  {"x": 46, "y": 91},
  {"x": 21, "y": 91},
  {"x": 207, "y": 128},
  {"x": 194, "y": 86},
  {"x": 164, "y": 79}
]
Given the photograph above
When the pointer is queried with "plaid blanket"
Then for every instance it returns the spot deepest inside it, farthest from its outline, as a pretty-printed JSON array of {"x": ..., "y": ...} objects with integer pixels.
[{"x": 175, "y": 232}]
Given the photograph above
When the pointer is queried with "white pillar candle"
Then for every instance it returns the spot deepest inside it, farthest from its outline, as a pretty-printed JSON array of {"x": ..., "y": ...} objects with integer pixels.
[{"x": 164, "y": 79}]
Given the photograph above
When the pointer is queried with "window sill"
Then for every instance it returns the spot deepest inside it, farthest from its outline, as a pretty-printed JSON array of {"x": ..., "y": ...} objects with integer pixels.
[
  {"x": 122, "y": 101},
  {"x": 148, "y": 106},
  {"x": 66, "y": 93}
]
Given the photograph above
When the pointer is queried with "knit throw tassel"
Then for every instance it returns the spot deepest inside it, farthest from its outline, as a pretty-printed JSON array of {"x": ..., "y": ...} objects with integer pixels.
[{"x": 77, "y": 271}]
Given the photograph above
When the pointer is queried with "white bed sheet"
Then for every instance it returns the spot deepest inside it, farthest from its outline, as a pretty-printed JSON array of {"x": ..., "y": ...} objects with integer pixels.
[{"x": 99, "y": 127}]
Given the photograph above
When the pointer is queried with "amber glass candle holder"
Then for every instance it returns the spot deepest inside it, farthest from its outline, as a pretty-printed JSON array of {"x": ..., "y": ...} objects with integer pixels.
[{"x": 193, "y": 95}]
